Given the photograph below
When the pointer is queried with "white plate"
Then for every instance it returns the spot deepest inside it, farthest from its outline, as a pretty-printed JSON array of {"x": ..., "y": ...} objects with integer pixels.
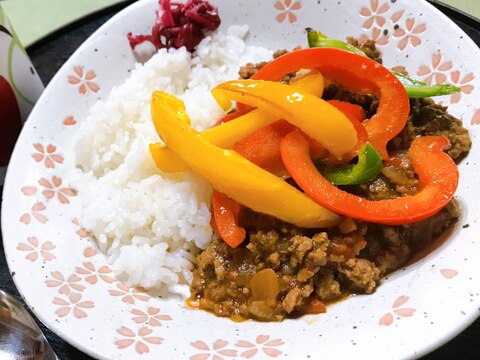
[{"x": 69, "y": 286}]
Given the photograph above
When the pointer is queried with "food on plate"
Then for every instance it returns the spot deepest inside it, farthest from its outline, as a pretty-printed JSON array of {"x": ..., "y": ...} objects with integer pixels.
[
  {"x": 176, "y": 25},
  {"x": 308, "y": 179}
]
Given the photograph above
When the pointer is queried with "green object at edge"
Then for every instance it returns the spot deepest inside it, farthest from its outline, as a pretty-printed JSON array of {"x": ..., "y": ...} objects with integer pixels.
[
  {"x": 414, "y": 88},
  {"x": 368, "y": 166}
]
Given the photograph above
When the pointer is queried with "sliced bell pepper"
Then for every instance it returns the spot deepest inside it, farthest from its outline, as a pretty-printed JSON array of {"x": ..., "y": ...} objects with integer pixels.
[
  {"x": 320, "y": 120},
  {"x": 356, "y": 115},
  {"x": 233, "y": 175},
  {"x": 368, "y": 166},
  {"x": 231, "y": 116},
  {"x": 262, "y": 147},
  {"x": 225, "y": 136},
  {"x": 230, "y": 132},
  {"x": 316, "y": 39},
  {"x": 437, "y": 173},
  {"x": 226, "y": 213},
  {"x": 414, "y": 88},
  {"x": 420, "y": 89},
  {"x": 358, "y": 74}
]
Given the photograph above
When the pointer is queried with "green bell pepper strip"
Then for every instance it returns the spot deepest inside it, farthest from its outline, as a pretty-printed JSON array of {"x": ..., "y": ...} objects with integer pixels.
[
  {"x": 414, "y": 88},
  {"x": 318, "y": 39},
  {"x": 368, "y": 166},
  {"x": 420, "y": 89}
]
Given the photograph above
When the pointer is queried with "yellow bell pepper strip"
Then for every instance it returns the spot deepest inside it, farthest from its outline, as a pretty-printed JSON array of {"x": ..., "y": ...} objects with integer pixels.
[
  {"x": 224, "y": 136},
  {"x": 234, "y": 175},
  {"x": 437, "y": 174},
  {"x": 368, "y": 166},
  {"x": 356, "y": 115},
  {"x": 320, "y": 120},
  {"x": 228, "y": 133},
  {"x": 355, "y": 73}
]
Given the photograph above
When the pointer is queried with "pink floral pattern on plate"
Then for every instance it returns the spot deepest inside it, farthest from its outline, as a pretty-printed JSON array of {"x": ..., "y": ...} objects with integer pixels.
[
  {"x": 72, "y": 305},
  {"x": 69, "y": 121},
  {"x": 151, "y": 317},
  {"x": 441, "y": 72},
  {"x": 261, "y": 343},
  {"x": 406, "y": 32},
  {"x": 53, "y": 188},
  {"x": 28, "y": 190},
  {"x": 89, "y": 252},
  {"x": 82, "y": 232},
  {"x": 65, "y": 285},
  {"x": 437, "y": 70},
  {"x": 376, "y": 35},
  {"x": 83, "y": 80},
  {"x": 217, "y": 351},
  {"x": 35, "y": 250},
  {"x": 47, "y": 154},
  {"x": 139, "y": 338},
  {"x": 286, "y": 9},
  {"x": 129, "y": 295},
  {"x": 387, "y": 319},
  {"x": 409, "y": 34},
  {"x": 463, "y": 82},
  {"x": 448, "y": 273},
  {"x": 91, "y": 274},
  {"x": 374, "y": 14},
  {"x": 475, "y": 118},
  {"x": 34, "y": 213}
]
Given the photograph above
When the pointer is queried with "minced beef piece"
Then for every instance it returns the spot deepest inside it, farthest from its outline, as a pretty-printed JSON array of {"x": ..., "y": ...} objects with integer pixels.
[
  {"x": 428, "y": 118},
  {"x": 305, "y": 267},
  {"x": 248, "y": 70},
  {"x": 368, "y": 47},
  {"x": 390, "y": 247}
]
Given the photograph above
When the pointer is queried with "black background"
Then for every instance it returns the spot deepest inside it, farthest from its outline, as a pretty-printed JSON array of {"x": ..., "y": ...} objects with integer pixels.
[{"x": 50, "y": 54}]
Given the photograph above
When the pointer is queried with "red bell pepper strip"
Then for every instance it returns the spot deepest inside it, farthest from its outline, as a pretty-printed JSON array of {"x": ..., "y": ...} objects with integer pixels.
[
  {"x": 356, "y": 115},
  {"x": 226, "y": 213},
  {"x": 262, "y": 147},
  {"x": 358, "y": 74},
  {"x": 231, "y": 116},
  {"x": 353, "y": 111},
  {"x": 437, "y": 173}
]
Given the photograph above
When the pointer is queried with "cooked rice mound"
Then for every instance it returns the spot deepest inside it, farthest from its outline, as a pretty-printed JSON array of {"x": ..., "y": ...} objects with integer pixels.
[{"x": 151, "y": 225}]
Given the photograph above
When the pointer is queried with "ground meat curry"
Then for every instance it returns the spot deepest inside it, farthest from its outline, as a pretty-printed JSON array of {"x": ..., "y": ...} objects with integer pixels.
[{"x": 282, "y": 271}]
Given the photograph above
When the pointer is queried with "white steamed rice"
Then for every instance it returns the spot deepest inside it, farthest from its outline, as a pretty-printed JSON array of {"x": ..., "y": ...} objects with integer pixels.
[{"x": 152, "y": 225}]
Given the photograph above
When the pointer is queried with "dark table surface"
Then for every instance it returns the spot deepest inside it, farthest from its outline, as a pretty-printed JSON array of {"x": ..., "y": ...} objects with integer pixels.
[{"x": 50, "y": 54}]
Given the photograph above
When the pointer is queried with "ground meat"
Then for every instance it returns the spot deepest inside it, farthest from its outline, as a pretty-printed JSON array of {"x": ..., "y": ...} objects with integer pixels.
[
  {"x": 428, "y": 118},
  {"x": 390, "y": 247},
  {"x": 248, "y": 70},
  {"x": 361, "y": 274},
  {"x": 368, "y": 47},
  {"x": 305, "y": 266},
  {"x": 325, "y": 264}
]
